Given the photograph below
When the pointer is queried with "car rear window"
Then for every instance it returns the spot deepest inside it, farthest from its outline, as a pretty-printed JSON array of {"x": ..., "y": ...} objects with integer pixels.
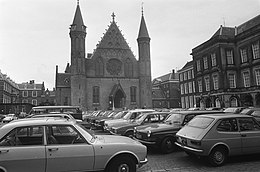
[{"x": 200, "y": 122}]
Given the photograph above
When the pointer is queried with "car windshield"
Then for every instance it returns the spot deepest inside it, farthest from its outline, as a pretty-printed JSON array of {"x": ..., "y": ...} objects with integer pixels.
[
  {"x": 120, "y": 114},
  {"x": 174, "y": 118},
  {"x": 200, "y": 122},
  {"x": 87, "y": 133},
  {"x": 232, "y": 110},
  {"x": 140, "y": 118},
  {"x": 256, "y": 113},
  {"x": 245, "y": 111}
]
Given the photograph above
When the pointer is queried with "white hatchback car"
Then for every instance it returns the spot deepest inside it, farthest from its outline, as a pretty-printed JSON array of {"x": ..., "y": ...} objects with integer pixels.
[{"x": 52, "y": 144}]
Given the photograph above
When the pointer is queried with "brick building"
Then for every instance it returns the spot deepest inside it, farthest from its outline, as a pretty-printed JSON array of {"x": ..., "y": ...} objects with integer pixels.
[
  {"x": 227, "y": 67},
  {"x": 166, "y": 92},
  {"x": 110, "y": 77},
  {"x": 187, "y": 85}
]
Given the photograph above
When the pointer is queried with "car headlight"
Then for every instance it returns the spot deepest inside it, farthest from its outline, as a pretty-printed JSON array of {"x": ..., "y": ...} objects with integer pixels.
[
  {"x": 149, "y": 133},
  {"x": 134, "y": 130}
]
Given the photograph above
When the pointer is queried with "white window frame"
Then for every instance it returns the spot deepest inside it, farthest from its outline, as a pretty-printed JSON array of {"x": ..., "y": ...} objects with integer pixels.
[
  {"x": 181, "y": 76},
  {"x": 207, "y": 83},
  {"x": 34, "y": 102},
  {"x": 200, "y": 85},
  {"x": 246, "y": 78},
  {"x": 230, "y": 58},
  {"x": 25, "y": 93},
  {"x": 233, "y": 102},
  {"x": 186, "y": 88},
  {"x": 190, "y": 87},
  {"x": 213, "y": 59},
  {"x": 205, "y": 60},
  {"x": 215, "y": 82},
  {"x": 255, "y": 50},
  {"x": 257, "y": 76},
  {"x": 243, "y": 54},
  {"x": 232, "y": 80},
  {"x": 198, "y": 66},
  {"x": 182, "y": 89},
  {"x": 34, "y": 93}
]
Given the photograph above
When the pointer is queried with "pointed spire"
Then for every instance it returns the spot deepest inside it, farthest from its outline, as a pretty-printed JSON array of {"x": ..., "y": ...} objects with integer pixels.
[
  {"x": 78, "y": 20},
  {"x": 143, "y": 32}
]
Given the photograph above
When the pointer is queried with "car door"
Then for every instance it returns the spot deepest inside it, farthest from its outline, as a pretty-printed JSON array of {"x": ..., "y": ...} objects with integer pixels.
[
  {"x": 23, "y": 150},
  {"x": 67, "y": 150},
  {"x": 250, "y": 134}
]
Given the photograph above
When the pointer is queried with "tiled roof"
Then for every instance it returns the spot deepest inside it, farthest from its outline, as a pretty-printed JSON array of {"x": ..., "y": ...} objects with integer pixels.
[
  {"x": 113, "y": 39},
  {"x": 249, "y": 24},
  {"x": 227, "y": 31}
]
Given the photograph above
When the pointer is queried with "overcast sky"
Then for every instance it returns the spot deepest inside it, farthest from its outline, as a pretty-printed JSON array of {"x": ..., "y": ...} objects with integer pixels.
[{"x": 34, "y": 34}]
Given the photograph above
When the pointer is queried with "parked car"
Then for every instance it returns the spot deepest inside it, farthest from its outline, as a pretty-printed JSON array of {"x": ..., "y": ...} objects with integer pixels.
[
  {"x": 131, "y": 115},
  {"x": 219, "y": 136},
  {"x": 234, "y": 110},
  {"x": 100, "y": 123},
  {"x": 162, "y": 135},
  {"x": 146, "y": 118},
  {"x": 51, "y": 145},
  {"x": 255, "y": 112},
  {"x": 9, "y": 118},
  {"x": 75, "y": 111}
]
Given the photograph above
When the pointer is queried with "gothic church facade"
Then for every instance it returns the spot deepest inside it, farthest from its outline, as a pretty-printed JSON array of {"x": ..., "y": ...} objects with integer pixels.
[{"x": 109, "y": 78}]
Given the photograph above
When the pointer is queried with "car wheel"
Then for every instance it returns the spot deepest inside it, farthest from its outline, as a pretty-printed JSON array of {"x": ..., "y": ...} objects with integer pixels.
[
  {"x": 122, "y": 164},
  {"x": 217, "y": 157},
  {"x": 167, "y": 145}
]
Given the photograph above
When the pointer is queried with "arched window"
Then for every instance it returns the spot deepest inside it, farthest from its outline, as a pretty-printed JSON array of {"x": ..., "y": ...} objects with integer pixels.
[
  {"x": 233, "y": 102},
  {"x": 99, "y": 67},
  {"x": 218, "y": 104},
  {"x": 128, "y": 68}
]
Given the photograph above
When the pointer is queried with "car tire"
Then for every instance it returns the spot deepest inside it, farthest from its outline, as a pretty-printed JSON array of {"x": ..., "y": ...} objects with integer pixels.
[
  {"x": 217, "y": 156},
  {"x": 122, "y": 164},
  {"x": 167, "y": 145}
]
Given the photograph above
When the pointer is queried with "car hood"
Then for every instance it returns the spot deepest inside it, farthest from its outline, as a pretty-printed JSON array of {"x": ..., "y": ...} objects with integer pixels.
[
  {"x": 127, "y": 124},
  {"x": 158, "y": 127},
  {"x": 191, "y": 132},
  {"x": 110, "y": 139}
]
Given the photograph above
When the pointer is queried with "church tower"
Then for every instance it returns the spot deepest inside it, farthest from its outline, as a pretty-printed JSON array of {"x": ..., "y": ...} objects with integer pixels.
[
  {"x": 145, "y": 84},
  {"x": 78, "y": 68}
]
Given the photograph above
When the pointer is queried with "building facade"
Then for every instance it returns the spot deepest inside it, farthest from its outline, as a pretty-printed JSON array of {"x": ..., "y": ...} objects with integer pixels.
[
  {"x": 111, "y": 77},
  {"x": 227, "y": 67},
  {"x": 166, "y": 92},
  {"x": 187, "y": 86}
]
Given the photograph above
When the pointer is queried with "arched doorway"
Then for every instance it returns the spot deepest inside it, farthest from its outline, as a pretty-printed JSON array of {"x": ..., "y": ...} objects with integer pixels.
[{"x": 119, "y": 99}]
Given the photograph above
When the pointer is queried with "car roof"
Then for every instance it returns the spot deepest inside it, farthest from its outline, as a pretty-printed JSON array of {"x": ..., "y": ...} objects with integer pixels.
[
  {"x": 141, "y": 110},
  {"x": 225, "y": 115},
  {"x": 54, "y": 107},
  {"x": 37, "y": 121},
  {"x": 196, "y": 112}
]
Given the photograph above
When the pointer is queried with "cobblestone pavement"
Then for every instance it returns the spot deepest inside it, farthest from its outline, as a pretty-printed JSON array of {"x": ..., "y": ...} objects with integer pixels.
[{"x": 180, "y": 162}]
